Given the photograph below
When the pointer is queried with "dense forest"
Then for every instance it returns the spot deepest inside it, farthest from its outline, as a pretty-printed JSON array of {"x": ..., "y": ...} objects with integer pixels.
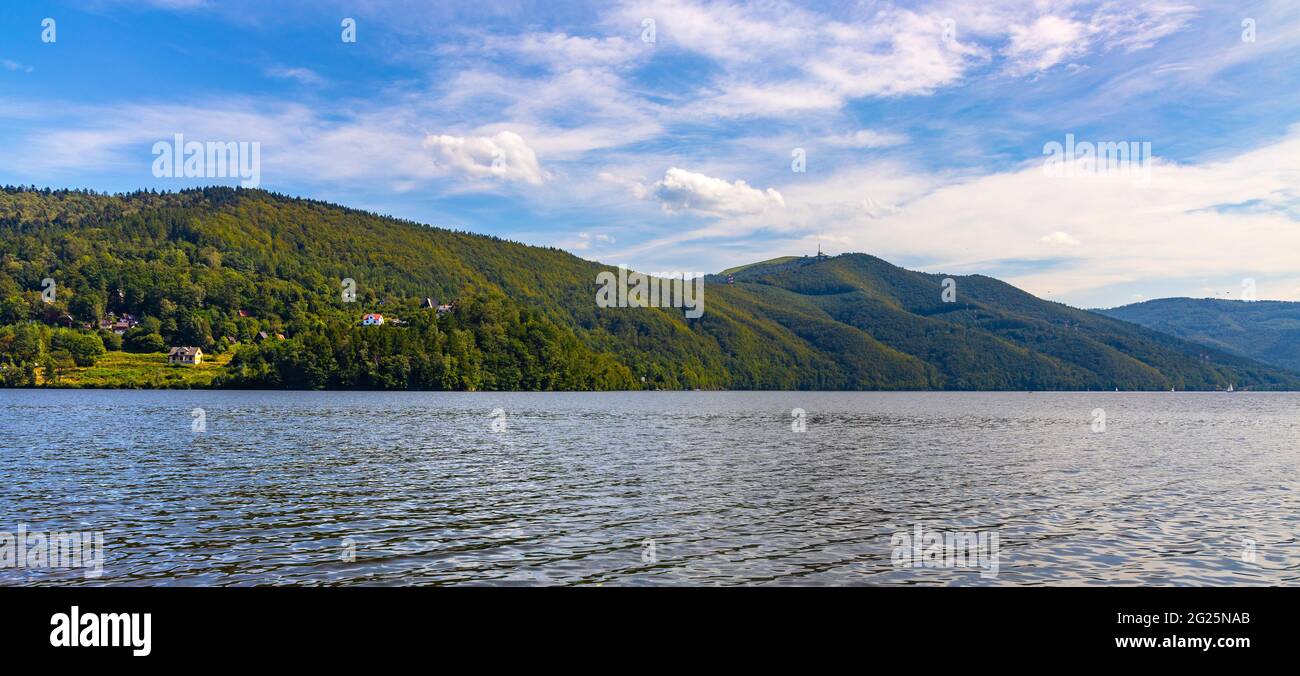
[
  {"x": 1266, "y": 330},
  {"x": 263, "y": 278}
]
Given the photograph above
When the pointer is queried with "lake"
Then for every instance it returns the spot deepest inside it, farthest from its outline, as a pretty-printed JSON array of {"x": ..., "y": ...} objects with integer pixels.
[{"x": 655, "y": 488}]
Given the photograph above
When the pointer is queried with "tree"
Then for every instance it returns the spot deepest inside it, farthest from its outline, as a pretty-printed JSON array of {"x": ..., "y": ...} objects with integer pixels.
[
  {"x": 83, "y": 348},
  {"x": 13, "y": 310},
  {"x": 193, "y": 330},
  {"x": 147, "y": 342},
  {"x": 87, "y": 306},
  {"x": 111, "y": 340},
  {"x": 57, "y": 364}
]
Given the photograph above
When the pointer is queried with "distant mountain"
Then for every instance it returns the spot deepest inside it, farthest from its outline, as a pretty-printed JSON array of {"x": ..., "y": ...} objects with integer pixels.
[
  {"x": 1266, "y": 330},
  {"x": 213, "y": 266}
]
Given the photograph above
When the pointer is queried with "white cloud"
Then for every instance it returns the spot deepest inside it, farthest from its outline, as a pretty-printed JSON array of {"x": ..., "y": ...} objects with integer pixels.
[
  {"x": 15, "y": 66},
  {"x": 563, "y": 51},
  {"x": 1052, "y": 39},
  {"x": 779, "y": 58},
  {"x": 681, "y": 190},
  {"x": 868, "y": 138},
  {"x": 306, "y": 76},
  {"x": 585, "y": 240},
  {"x": 566, "y": 113},
  {"x": 1047, "y": 41},
  {"x": 505, "y": 156},
  {"x": 1060, "y": 238},
  {"x": 1140, "y": 26}
]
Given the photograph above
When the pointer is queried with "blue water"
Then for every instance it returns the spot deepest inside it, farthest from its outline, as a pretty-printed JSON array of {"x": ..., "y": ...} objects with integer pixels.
[{"x": 653, "y": 488}]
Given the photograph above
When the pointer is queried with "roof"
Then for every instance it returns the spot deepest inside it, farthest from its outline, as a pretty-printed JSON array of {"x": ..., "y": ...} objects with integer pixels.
[{"x": 184, "y": 351}]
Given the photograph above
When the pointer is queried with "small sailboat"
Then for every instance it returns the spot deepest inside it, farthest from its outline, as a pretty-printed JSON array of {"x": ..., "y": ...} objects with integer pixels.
[{"x": 1230, "y": 388}]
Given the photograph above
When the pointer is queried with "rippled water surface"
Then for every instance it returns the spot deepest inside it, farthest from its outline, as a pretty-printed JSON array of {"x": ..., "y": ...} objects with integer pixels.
[{"x": 282, "y": 486}]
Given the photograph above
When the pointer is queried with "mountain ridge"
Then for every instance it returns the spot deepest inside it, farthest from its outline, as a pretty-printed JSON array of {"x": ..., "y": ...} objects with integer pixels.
[
  {"x": 189, "y": 262},
  {"x": 1267, "y": 331}
]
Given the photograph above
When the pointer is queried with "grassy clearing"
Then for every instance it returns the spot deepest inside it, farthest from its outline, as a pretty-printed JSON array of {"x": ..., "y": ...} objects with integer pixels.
[{"x": 150, "y": 370}]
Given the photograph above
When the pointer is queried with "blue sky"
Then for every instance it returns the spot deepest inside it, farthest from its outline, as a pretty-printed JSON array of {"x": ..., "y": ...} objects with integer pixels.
[{"x": 664, "y": 134}]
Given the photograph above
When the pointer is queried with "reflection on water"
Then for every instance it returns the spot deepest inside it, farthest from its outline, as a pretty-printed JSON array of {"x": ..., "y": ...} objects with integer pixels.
[{"x": 418, "y": 488}]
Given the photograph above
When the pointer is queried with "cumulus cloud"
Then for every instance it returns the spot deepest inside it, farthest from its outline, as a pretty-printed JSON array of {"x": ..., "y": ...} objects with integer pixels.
[
  {"x": 505, "y": 156},
  {"x": 681, "y": 190}
]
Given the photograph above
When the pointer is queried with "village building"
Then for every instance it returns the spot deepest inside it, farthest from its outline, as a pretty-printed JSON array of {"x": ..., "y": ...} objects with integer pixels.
[
  {"x": 185, "y": 355},
  {"x": 118, "y": 324},
  {"x": 372, "y": 319}
]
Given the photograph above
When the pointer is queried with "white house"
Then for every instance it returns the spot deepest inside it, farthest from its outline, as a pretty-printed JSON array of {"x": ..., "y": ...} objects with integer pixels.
[
  {"x": 185, "y": 355},
  {"x": 373, "y": 319}
]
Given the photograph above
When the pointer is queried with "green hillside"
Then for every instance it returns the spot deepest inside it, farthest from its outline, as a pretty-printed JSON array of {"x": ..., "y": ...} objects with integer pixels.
[
  {"x": 220, "y": 267},
  {"x": 1267, "y": 331}
]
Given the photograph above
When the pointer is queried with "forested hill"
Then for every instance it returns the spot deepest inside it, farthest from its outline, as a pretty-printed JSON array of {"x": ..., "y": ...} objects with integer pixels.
[
  {"x": 229, "y": 270},
  {"x": 1266, "y": 330}
]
